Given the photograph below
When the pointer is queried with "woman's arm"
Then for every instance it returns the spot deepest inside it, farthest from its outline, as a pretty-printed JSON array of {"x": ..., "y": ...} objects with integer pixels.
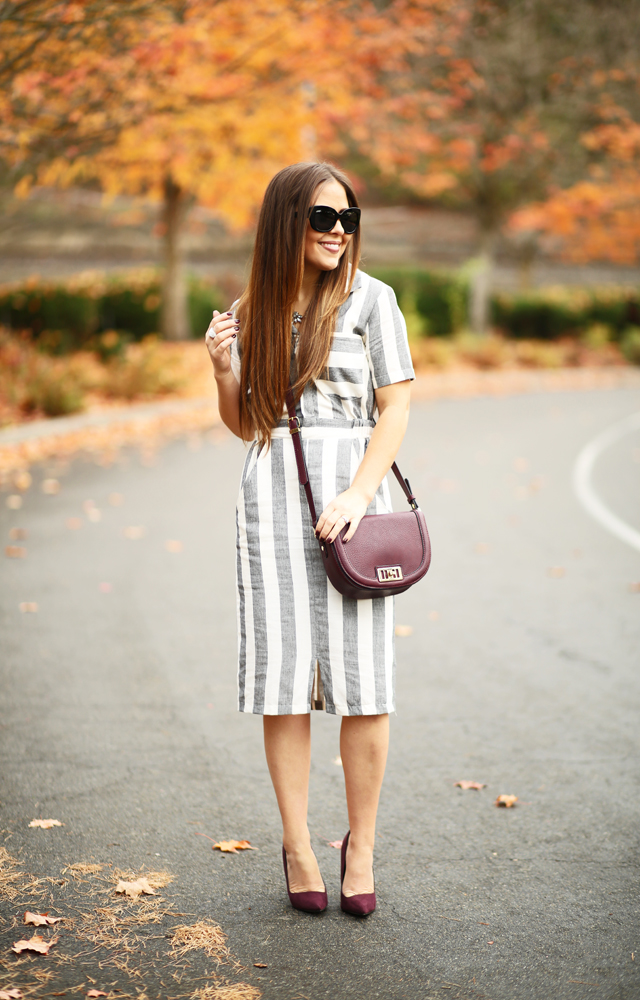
[
  {"x": 219, "y": 338},
  {"x": 393, "y": 409}
]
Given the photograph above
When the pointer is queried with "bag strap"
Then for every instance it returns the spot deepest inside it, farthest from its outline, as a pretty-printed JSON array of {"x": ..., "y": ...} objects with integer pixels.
[{"x": 303, "y": 475}]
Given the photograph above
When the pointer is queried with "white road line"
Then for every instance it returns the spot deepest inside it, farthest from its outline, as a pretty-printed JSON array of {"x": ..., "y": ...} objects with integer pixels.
[{"x": 585, "y": 492}]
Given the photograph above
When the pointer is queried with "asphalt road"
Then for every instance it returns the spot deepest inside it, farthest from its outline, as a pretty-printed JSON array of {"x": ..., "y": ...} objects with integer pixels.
[{"x": 522, "y": 671}]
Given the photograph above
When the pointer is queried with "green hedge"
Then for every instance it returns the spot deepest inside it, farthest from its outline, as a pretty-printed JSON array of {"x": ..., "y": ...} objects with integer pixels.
[
  {"x": 549, "y": 314},
  {"x": 72, "y": 315},
  {"x": 439, "y": 298}
]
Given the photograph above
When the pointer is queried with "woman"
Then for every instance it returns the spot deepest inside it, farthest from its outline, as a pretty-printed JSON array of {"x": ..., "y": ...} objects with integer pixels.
[{"x": 309, "y": 316}]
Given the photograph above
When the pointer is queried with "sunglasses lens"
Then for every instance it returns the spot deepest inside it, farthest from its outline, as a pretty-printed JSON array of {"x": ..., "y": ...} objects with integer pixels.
[
  {"x": 350, "y": 219},
  {"x": 323, "y": 219}
]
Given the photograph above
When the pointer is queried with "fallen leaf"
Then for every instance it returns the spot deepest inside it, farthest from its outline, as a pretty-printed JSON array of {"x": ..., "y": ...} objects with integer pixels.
[
  {"x": 28, "y": 607},
  {"x": 10, "y": 995},
  {"x": 233, "y": 846},
  {"x": 73, "y": 523},
  {"x": 15, "y": 551},
  {"x": 14, "y": 501},
  {"x": 22, "y": 481},
  {"x": 40, "y": 919},
  {"x": 134, "y": 532},
  {"x": 335, "y": 843},
  {"x": 506, "y": 800},
  {"x": 50, "y": 487},
  {"x": 116, "y": 499},
  {"x": 17, "y": 534},
  {"x": 36, "y": 943},
  {"x": 135, "y": 889},
  {"x": 97, "y": 993},
  {"x": 469, "y": 784},
  {"x": 489, "y": 942},
  {"x": 556, "y": 571},
  {"x": 105, "y": 588},
  {"x": 260, "y": 965},
  {"x": 404, "y": 630},
  {"x": 46, "y": 824},
  {"x": 173, "y": 545}
]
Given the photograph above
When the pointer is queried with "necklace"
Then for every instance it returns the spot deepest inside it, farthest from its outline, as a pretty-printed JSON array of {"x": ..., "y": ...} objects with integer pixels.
[{"x": 297, "y": 318}]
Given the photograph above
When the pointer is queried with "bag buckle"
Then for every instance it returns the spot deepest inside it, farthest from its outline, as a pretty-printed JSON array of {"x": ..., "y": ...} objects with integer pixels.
[{"x": 294, "y": 425}]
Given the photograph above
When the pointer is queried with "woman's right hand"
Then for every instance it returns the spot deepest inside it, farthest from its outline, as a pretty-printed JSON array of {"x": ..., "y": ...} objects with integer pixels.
[{"x": 223, "y": 330}]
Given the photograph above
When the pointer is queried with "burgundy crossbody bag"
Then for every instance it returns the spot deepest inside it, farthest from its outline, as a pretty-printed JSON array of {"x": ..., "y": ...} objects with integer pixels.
[{"x": 387, "y": 554}]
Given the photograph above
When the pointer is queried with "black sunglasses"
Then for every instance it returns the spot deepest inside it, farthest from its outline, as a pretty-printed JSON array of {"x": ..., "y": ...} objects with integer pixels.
[{"x": 322, "y": 218}]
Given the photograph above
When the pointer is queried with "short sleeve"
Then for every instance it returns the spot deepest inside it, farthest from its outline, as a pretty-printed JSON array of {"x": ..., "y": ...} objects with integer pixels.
[
  {"x": 386, "y": 340},
  {"x": 234, "y": 353},
  {"x": 234, "y": 350}
]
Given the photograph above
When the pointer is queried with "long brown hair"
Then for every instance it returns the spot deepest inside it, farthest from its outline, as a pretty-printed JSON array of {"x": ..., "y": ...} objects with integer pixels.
[{"x": 266, "y": 307}]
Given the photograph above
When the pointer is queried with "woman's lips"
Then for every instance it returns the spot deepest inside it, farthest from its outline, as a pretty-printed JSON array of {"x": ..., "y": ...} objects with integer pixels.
[{"x": 331, "y": 245}]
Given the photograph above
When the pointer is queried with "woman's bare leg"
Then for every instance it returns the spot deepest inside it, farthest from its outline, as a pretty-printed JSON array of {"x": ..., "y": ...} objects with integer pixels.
[
  {"x": 287, "y": 742},
  {"x": 364, "y": 742}
]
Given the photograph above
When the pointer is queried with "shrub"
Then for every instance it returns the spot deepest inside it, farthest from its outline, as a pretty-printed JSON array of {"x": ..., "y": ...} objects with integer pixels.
[
  {"x": 84, "y": 312},
  {"x": 143, "y": 370},
  {"x": 438, "y": 297},
  {"x": 630, "y": 344}
]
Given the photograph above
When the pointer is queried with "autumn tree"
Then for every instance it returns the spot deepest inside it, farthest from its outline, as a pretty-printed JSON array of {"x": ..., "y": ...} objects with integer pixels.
[
  {"x": 191, "y": 101},
  {"x": 483, "y": 102}
]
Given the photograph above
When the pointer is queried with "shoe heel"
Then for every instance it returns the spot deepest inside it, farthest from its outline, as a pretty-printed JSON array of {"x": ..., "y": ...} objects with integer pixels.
[
  {"x": 308, "y": 902},
  {"x": 364, "y": 903}
]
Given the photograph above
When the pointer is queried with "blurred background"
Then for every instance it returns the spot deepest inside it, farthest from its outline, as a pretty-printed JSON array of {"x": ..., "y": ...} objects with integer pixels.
[{"x": 494, "y": 145}]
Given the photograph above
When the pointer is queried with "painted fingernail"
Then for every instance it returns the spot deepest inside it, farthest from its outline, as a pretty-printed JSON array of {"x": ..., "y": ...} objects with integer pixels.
[
  {"x": 233, "y": 336},
  {"x": 229, "y": 314}
]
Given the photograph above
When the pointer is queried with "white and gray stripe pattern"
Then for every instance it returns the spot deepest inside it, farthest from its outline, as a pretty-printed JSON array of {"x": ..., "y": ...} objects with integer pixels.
[{"x": 291, "y": 621}]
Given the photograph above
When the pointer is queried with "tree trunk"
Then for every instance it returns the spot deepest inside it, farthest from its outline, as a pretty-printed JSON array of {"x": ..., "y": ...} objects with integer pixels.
[
  {"x": 481, "y": 283},
  {"x": 175, "y": 323}
]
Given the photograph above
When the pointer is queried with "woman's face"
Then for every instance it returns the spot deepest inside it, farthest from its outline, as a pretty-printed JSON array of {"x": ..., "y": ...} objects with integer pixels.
[{"x": 322, "y": 251}]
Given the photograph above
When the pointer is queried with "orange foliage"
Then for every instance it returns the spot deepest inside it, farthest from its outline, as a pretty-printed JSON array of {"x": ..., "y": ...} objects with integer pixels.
[
  {"x": 597, "y": 218},
  {"x": 216, "y": 96}
]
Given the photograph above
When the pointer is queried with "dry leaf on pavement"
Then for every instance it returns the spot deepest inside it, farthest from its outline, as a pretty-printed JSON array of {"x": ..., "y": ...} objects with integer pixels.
[
  {"x": 36, "y": 943},
  {"x": 404, "y": 630},
  {"x": 233, "y": 846},
  {"x": 40, "y": 919},
  {"x": 135, "y": 889},
  {"x": 46, "y": 824},
  {"x": 260, "y": 965},
  {"x": 10, "y": 995},
  {"x": 15, "y": 552},
  {"x": 335, "y": 843},
  {"x": 469, "y": 784},
  {"x": 28, "y": 607},
  {"x": 18, "y": 534},
  {"x": 506, "y": 800},
  {"x": 97, "y": 993},
  {"x": 135, "y": 531}
]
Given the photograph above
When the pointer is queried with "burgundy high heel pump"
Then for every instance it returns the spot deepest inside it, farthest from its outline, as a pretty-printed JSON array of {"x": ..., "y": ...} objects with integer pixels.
[
  {"x": 364, "y": 903},
  {"x": 310, "y": 902}
]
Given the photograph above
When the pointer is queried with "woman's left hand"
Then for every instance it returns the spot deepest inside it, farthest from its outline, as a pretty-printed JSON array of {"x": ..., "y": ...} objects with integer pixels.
[{"x": 347, "y": 508}]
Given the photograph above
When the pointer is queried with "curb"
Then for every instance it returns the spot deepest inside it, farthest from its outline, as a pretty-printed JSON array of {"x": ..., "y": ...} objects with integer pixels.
[{"x": 103, "y": 433}]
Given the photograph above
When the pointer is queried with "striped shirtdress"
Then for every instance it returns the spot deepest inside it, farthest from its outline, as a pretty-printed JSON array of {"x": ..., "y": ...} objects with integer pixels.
[{"x": 301, "y": 644}]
